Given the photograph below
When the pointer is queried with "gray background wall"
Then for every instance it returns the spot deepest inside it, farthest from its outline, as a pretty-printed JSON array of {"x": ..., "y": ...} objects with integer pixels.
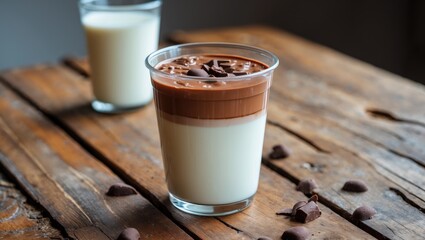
[{"x": 387, "y": 33}]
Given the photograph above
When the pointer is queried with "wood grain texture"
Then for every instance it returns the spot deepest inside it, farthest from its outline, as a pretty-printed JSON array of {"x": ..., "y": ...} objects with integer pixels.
[
  {"x": 355, "y": 121},
  {"x": 129, "y": 144},
  {"x": 20, "y": 219},
  {"x": 67, "y": 181}
]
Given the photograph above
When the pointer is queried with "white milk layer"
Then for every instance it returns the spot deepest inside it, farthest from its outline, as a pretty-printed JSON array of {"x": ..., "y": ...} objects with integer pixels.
[
  {"x": 118, "y": 44},
  {"x": 213, "y": 164}
]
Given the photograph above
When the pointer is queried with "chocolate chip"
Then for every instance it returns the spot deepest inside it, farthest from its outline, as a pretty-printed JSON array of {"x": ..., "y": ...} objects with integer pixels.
[
  {"x": 129, "y": 234},
  {"x": 308, "y": 212},
  {"x": 120, "y": 189},
  {"x": 355, "y": 186},
  {"x": 296, "y": 233},
  {"x": 279, "y": 152},
  {"x": 285, "y": 211},
  {"x": 197, "y": 72},
  {"x": 363, "y": 213},
  {"x": 296, "y": 206},
  {"x": 314, "y": 198},
  {"x": 307, "y": 186}
]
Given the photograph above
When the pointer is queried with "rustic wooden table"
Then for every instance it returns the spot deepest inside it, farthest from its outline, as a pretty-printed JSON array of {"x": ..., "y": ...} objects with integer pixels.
[{"x": 341, "y": 118}]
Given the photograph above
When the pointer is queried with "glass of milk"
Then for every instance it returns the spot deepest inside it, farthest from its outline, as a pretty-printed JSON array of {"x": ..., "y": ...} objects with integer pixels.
[
  {"x": 120, "y": 34},
  {"x": 211, "y": 126}
]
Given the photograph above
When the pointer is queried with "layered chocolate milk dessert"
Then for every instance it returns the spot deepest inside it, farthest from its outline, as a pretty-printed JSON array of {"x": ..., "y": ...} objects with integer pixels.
[{"x": 211, "y": 111}]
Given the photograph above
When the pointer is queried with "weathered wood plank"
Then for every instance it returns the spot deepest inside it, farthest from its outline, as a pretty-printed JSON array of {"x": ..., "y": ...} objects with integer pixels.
[
  {"x": 20, "y": 219},
  {"x": 57, "y": 173},
  {"x": 129, "y": 143},
  {"x": 356, "y": 121}
]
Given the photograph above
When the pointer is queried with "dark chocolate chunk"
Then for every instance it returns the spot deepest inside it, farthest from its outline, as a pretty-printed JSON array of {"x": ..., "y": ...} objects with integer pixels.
[
  {"x": 213, "y": 62},
  {"x": 308, "y": 212},
  {"x": 239, "y": 73},
  {"x": 355, "y": 186},
  {"x": 307, "y": 186},
  {"x": 363, "y": 213},
  {"x": 197, "y": 72},
  {"x": 314, "y": 198},
  {"x": 129, "y": 234},
  {"x": 296, "y": 233},
  {"x": 120, "y": 189},
  {"x": 206, "y": 68},
  {"x": 279, "y": 152},
  {"x": 218, "y": 71},
  {"x": 285, "y": 211},
  {"x": 297, "y": 205},
  {"x": 227, "y": 66}
]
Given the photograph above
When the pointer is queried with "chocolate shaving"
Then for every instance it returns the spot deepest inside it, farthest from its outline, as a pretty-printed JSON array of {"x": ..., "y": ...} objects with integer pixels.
[
  {"x": 217, "y": 71},
  {"x": 206, "y": 68},
  {"x": 213, "y": 62}
]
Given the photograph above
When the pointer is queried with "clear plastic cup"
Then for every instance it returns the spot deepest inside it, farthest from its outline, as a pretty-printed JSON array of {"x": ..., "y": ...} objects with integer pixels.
[{"x": 211, "y": 129}]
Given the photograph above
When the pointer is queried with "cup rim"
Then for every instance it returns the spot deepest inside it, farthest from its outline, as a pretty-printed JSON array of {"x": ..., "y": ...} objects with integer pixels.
[
  {"x": 88, "y": 5},
  {"x": 212, "y": 44}
]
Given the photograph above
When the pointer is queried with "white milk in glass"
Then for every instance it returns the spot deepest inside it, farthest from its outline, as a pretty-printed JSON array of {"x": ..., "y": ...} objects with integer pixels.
[{"x": 118, "y": 43}]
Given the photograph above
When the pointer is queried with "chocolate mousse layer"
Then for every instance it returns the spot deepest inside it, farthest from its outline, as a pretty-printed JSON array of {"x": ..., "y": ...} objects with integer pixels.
[{"x": 211, "y": 86}]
